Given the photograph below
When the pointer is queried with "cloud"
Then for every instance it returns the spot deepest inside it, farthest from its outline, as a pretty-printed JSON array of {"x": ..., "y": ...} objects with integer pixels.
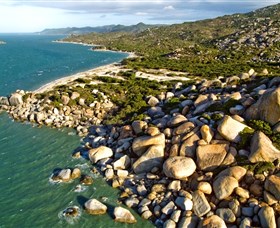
[
  {"x": 169, "y": 8},
  {"x": 66, "y": 13}
]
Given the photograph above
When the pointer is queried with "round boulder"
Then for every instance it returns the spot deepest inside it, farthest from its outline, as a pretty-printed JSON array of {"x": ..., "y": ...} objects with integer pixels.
[
  {"x": 179, "y": 167},
  {"x": 94, "y": 207}
]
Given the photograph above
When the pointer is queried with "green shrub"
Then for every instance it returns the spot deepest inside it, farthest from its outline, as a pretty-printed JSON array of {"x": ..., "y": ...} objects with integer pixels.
[{"x": 246, "y": 136}]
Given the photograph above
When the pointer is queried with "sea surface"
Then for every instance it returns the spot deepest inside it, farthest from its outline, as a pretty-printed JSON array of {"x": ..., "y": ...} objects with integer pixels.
[{"x": 29, "y": 154}]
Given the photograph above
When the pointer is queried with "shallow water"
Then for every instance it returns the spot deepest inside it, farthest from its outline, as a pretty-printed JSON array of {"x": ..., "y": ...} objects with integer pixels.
[{"x": 29, "y": 154}]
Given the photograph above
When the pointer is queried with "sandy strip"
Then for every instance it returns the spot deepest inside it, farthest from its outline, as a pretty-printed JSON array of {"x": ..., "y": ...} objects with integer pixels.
[{"x": 100, "y": 71}]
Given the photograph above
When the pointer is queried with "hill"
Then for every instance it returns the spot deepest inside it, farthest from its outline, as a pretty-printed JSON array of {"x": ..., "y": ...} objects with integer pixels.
[
  {"x": 99, "y": 29},
  {"x": 222, "y": 46}
]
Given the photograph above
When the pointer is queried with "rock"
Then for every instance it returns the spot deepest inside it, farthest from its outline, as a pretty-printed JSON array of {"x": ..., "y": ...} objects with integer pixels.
[
  {"x": 267, "y": 217},
  {"x": 131, "y": 202},
  {"x": 176, "y": 120},
  {"x": 262, "y": 149},
  {"x": 205, "y": 187},
  {"x": 245, "y": 223},
  {"x": 244, "y": 193},
  {"x": 147, "y": 214},
  {"x": 123, "y": 215},
  {"x": 213, "y": 221},
  {"x": 75, "y": 95},
  {"x": 226, "y": 214},
  {"x": 244, "y": 76},
  {"x": 174, "y": 185},
  {"x": 153, "y": 101},
  {"x": 211, "y": 156},
  {"x": 175, "y": 216},
  {"x": 224, "y": 186},
  {"x": 267, "y": 108},
  {"x": 86, "y": 180},
  {"x": 184, "y": 128},
  {"x": 169, "y": 224},
  {"x": 179, "y": 167},
  {"x": 272, "y": 185},
  {"x": 94, "y": 207},
  {"x": 109, "y": 174},
  {"x": 15, "y": 99},
  {"x": 99, "y": 153},
  {"x": 237, "y": 172},
  {"x": 269, "y": 198},
  {"x": 153, "y": 157},
  {"x": 200, "y": 204},
  {"x": 64, "y": 175},
  {"x": 72, "y": 212},
  {"x": 184, "y": 203},
  {"x": 206, "y": 133},
  {"x": 188, "y": 147},
  {"x": 141, "y": 144},
  {"x": 139, "y": 126},
  {"x": 168, "y": 208},
  {"x": 65, "y": 99},
  {"x": 247, "y": 211},
  {"x": 230, "y": 128},
  {"x": 188, "y": 222},
  {"x": 76, "y": 173},
  {"x": 122, "y": 163}
]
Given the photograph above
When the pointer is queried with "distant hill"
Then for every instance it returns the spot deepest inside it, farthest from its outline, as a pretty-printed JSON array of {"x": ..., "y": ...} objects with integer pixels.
[
  {"x": 221, "y": 46},
  {"x": 100, "y": 29}
]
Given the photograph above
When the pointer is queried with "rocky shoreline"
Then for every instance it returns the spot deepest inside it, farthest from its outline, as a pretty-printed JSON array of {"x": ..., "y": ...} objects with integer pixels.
[{"x": 205, "y": 155}]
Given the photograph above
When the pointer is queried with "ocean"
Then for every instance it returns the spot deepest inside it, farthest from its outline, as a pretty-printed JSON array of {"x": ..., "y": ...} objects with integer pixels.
[{"x": 29, "y": 154}]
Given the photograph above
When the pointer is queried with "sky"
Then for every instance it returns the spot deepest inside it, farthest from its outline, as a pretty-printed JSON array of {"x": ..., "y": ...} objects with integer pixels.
[{"x": 36, "y": 15}]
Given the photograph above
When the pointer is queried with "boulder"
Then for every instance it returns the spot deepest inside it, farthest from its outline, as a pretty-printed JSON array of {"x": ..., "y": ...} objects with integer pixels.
[
  {"x": 75, "y": 95},
  {"x": 211, "y": 156},
  {"x": 153, "y": 101},
  {"x": 267, "y": 108},
  {"x": 94, "y": 207},
  {"x": 153, "y": 157},
  {"x": 169, "y": 224},
  {"x": 224, "y": 186},
  {"x": 122, "y": 163},
  {"x": 212, "y": 221},
  {"x": 200, "y": 204},
  {"x": 123, "y": 215},
  {"x": 99, "y": 153},
  {"x": 272, "y": 185},
  {"x": 179, "y": 167},
  {"x": 262, "y": 149},
  {"x": 65, "y": 99},
  {"x": 205, "y": 187},
  {"x": 15, "y": 99},
  {"x": 267, "y": 217},
  {"x": 229, "y": 128},
  {"x": 142, "y": 143},
  {"x": 139, "y": 126},
  {"x": 237, "y": 172}
]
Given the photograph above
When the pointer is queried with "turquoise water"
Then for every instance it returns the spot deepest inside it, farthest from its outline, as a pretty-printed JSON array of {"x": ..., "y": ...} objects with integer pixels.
[{"x": 29, "y": 154}]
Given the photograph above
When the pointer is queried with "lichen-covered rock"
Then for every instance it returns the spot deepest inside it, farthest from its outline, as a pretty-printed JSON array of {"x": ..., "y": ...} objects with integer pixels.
[
  {"x": 262, "y": 149},
  {"x": 123, "y": 215},
  {"x": 179, "y": 167},
  {"x": 94, "y": 207},
  {"x": 267, "y": 108},
  {"x": 99, "y": 153},
  {"x": 229, "y": 128}
]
